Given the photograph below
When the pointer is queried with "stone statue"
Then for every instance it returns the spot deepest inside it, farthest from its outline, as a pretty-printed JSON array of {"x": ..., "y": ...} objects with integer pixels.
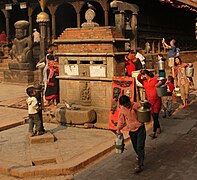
[
  {"x": 21, "y": 51},
  {"x": 147, "y": 47}
]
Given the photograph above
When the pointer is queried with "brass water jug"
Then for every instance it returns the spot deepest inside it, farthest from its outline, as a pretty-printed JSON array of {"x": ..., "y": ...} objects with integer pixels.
[
  {"x": 189, "y": 71},
  {"x": 162, "y": 90},
  {"x": 161, "y": 65},
  {"x": 144, "y": 112}
]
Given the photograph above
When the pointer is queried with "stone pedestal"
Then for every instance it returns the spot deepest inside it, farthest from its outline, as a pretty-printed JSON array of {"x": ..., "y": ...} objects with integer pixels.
[
  {"x": 45, "y": 138},
  {"x": 80, "y": 116},
  {"x": 89, "y": 58},
  {"x": 19, "y": 73}
]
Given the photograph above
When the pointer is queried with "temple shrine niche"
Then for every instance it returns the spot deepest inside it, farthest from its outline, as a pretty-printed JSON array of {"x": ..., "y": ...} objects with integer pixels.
[{"x": 89, "y": 58}]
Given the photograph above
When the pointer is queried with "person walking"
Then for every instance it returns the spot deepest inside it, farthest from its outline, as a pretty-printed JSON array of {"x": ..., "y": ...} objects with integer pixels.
[
  {"x": 137, "y": 131},
  {"x": 182, "y": 80},
  {"x": 150, "y": 83}
]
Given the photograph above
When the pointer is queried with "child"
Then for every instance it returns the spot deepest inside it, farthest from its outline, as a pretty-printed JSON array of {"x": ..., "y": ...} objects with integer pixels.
[
  {"x": 167, "y": 100},
  {"x": 160, "y": 57},
  {"x": 137, "y": 131},
  {"x": 33, "y": 110}
]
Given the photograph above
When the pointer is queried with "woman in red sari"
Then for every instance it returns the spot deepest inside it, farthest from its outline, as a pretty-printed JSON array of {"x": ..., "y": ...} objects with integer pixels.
[
  {"x": 52, "y": 89},
  {"x": 150, "y": 82}
]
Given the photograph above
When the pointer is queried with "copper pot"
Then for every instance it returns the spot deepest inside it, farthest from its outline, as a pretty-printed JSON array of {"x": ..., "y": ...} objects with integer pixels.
[
  {"x": 162, "y": 90},
  {"x": 189, "y": 71},
  {"x": 161, "y": 65},
  {"x": 144, "y": 112}
]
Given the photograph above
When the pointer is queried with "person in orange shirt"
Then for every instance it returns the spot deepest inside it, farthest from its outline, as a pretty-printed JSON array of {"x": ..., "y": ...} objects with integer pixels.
[{"x": 137, "y": 131}]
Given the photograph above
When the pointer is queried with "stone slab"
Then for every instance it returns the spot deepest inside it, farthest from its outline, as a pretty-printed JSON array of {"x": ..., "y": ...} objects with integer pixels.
[
  {"x": 36, "y": 162},
  {"x": 80, "y": 116},
  {"x": 19, "y": 76},
  {"x": 45, "y": 138}
]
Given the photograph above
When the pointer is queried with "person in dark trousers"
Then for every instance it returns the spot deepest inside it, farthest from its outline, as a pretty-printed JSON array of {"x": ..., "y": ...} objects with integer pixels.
[
  {"x": 150, "y": 83},
  {"x": 33, "y": 109},
  {"x": 137, "y": 131}
]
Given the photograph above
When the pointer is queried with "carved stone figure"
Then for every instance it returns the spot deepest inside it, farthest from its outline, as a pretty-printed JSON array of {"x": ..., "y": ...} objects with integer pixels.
[
  {"x": 85, "y": 94},
  {"x": 21, "y": 51}
]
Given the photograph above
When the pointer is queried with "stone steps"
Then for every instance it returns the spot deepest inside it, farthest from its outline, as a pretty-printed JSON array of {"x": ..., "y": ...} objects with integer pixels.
[{"x": 3, "y": 67}]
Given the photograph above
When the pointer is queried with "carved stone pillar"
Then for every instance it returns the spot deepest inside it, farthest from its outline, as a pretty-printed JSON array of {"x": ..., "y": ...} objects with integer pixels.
[
  {"x": 106, "y": 18},
  {"x": 78, "y": 20},
  {"x": 30, "y": 25},
  {"x": 7, "y": 17},
  {"x": 53, "y": 26},
  {"x": 120, "y": 21},
  {"x": 30, "y": 10},
  {"x": 134, "y": 29},
  {"x": 48, "y": 33},
  {"x": 43, "y": 20}
]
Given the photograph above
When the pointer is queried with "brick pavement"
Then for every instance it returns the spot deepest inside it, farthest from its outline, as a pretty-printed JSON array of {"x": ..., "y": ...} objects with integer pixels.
[
  {"x": 10, "y": 94},
  {"x": 172, "y": 155}
]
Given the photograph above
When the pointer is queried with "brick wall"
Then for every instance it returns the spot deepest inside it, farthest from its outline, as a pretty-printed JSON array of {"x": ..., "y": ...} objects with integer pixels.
[
  {"x": 96, "y": 33},
  {"x": 81, "y": 37}
]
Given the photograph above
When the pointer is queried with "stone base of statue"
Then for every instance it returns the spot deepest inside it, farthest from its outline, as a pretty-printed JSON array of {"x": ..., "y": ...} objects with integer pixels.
[{"x": 21, "y": 73}]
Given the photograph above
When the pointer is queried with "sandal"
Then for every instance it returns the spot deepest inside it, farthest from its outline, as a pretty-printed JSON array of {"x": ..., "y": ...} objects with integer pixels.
[
  {"x": 153, "y": 136},
  {"x": 158, "y": 130},
  {"x": 138, "y": 170}
]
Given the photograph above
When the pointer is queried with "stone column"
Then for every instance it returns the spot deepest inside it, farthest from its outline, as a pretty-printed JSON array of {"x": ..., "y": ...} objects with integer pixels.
[
  {"x": 120, "y": 21},
  {"x": 78, "y": 20},
  {"x": 48, "y": 33},
  {"x": 159, "y": 46},
  {"x": 196, "y": 28},
  {"x": 134, "y": 29},
  {"x": 7, "y": 17},
  {"x": 53, "y": 26},
  {"x": 43, "y": 20},
  {"x": 30, "y": 25},
  {"x": 106, "y": 18}
]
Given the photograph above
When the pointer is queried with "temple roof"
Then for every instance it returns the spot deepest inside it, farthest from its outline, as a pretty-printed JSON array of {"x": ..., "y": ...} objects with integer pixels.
[{"x": 188, "y": 4}]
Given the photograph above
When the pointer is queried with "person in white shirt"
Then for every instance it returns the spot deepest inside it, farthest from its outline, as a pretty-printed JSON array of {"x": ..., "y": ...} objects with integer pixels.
[
  {"x": 33, "y": 111},
  {"x": 141, "y": 57}
]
